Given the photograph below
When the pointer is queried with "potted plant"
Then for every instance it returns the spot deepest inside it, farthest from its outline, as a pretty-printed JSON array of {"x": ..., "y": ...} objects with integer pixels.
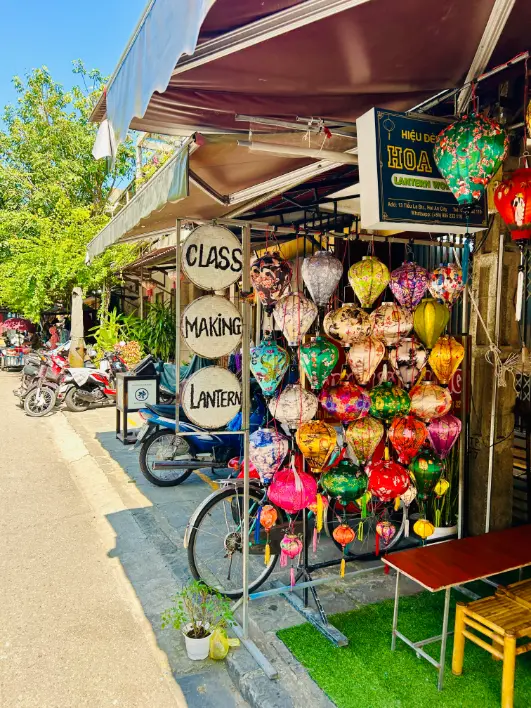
[{"x": 197, "y": 611}]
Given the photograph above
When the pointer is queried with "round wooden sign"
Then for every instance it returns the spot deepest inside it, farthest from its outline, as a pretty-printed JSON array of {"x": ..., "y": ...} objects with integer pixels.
[
  {"x": 211, "y": 397},
  {"x": 212, "y": 257},
  {"x": 211, "y": 326}
]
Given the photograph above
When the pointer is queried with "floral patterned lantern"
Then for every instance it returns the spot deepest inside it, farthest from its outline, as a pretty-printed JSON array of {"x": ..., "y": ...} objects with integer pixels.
[
  {"x": 425, "y": 470},
  {"x": 293, "y": 406},
  {"x": 386, "y": 531},
  {"x": 388, "y": 400},
  {"x": 409, "y": 284},
  {"x": 446, "y": 283},
  {"x": 321, "y": 274},
  {"x": 343, "y": 535},
  {"x": 429, "y": 401},
  {"x": 290, "y": 547},
  {"x": 430, "y": 320},
  {"x": 364, "y": 436},
  {"x": 368, "y": 278},
  {"x": 316, "y": 440},
  {"x": 407, "y": 436},
  {"x": 291, "y": 490},
  {"x": 444, "y": 433},
  {"x": 294, "y": 315},
  {"x": 364, "y": 357},
  {"x": 347, "y": 324},
  {"x": 318, "y": 360},
  {"x": 445, "y": 358},
  {"x": 267, "y": 450},
  {"x": 270, "y": 277},
  {"x": 391, "y": 322},
  {"x": 512, "y": 198},
  {"x": 345, "y": 482},
  {"x": 387, "y": 480},
  {"x": 345, "y": 401},
  {"x": 269, "y": 363},
  {"x": 408, "y": 359},
  {"x": 468, "y": 154}
]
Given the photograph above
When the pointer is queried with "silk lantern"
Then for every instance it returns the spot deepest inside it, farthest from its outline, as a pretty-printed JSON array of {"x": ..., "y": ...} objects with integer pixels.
[
  {"x": 468, "y": 153},
  {"x": 347, "y": 324},
  {"x": 364, "y": 357},
  {"x": 407, "y": 436},
  {"x": 446, "y": 283},
  {"x": 430, "y": 320},
  {"x": 512, "y": 199},
  {"x": 368, "y": 278},
  {"x": 364, "y": 436},
  {"x": 269, "y": 363},
  {"x": 290, "y": 547},
  {"x": 390, "y": 323},
  {"x": 343, "y": 535},
  {"x": 318, "y": 359},
  {"x": 407, "y": 360},
  {"x": 291, "y": 490},
  {"x": 294, "y": 315},
  {"x": 388, "y": 400},
  {"x": 293, "y": 406},
  {"x": 268, "y": 518},
  {"x": 267, "y": 450},
  {"x": 345, "y": 401},
  {"x": 321, "y": 273},
  {"x": 409, "y": 283},
  {"x": 270, "y": 277},
  {"x": 316, "y": 440},
  {"x": 386, "y": 531},
  {"x": 425, "y": 470},
  {"x": 407, "y": 498},
  {"x": 442, "y": 486},
  {"x": 423, "y": 528},
  {"x": 429, "y": 401},
  {"x": 345, "y": 482},
  {"x": 443, "y": 433},
  {"x": 387, "y": 480},
  {"x": 445, "y": 358}
]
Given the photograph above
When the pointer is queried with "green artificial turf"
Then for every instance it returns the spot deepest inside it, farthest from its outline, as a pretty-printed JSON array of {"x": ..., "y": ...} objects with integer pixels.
[{"x": 367, "y": 674}]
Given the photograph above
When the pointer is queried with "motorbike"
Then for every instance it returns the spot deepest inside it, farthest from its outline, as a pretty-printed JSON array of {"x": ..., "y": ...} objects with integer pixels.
[
  {"x": 47, "y": 389},
  {"x": 86, "y": 387}
]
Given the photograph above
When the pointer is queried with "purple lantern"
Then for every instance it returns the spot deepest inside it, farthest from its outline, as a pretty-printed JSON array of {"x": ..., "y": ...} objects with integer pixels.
[
  {"x": 409, "y": 284},
  {"x": 443, "y": 433}
]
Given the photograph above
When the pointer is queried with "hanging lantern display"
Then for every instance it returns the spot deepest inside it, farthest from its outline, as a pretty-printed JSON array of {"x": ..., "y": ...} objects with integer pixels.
[
  {"x": 364, "y": 357},
  {"x": 290, "y": 547},
  {"x": 364, "y": 436},
  {"x": 270, "y": 277},
  {"x": 387, "y": 480},
  {"x": 443, "y": 433},
  {"x": 347, "y": 324},
  {"x": 345, "y": 482},
  {"x": 291, "y": 490},
  {"x": 390, "y": 323},
  {"x": 442, "y": 486},
  {"x": 343, "y": 535},
  {"x": 318, "y": 360},
  {"x": 407, "y": 436},
  {"x": 267, "y": 450},
  {"x": 430, "y": 320},
  {"x": 386, "y": 531},
  {"x": 408, "y": 359},
  {"x": 446, "y": 283},
  {"x": 321, "y": 273},
  {"x": 468, "y": 153},
  {"x": 409, "y": 284},
  {"x": 388, "y": 400},
  {"x": 345, "y": 401},
  {"x": 368, "y": 278},
  {"x": 445, "y": 358},
  {"x": 512, "y": 198},
  {"x": 423, "y": 528},
  {"x": 293, "y": 406},
  {"x": 425, "y": 470},
  {"x": 269, "y": 363},
  {"x": 429, "y": 401},
  {"x": 294, "y": 315},
  {"x": 268, "y": 518},
  {"x": 316, "y": 440}
]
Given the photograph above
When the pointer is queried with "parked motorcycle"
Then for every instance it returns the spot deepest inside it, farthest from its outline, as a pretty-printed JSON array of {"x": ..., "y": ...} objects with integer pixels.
[
  {"x": 86, "y": 387},
  {"x": 47, "y": 389}
]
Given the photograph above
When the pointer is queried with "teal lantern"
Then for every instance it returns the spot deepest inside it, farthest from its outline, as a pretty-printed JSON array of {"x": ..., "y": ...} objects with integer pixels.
[
  {"x": 387, "y": 401},
  {"x": 344, "y": 482},
  {"x": 269, "y": 363},
  {"x": 425, "y": 471},
  {"x": 318, "y": 359}
]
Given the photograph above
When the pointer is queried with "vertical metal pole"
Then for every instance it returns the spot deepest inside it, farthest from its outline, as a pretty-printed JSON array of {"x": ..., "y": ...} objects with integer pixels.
[
  {"x": 444, "y": 637},
  {"x": 492, "y": 436},
  {"x": 177, "y": 321},
  {"x": 246, "y": 384},
  {"x": 141, "y": 290},
  {"x": 395, "y": 611},
  {"x": 463, "y": 440}
]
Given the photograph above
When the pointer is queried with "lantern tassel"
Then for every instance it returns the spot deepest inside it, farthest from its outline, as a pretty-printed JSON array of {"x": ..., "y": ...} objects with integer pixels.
[
  {"x": 283, "y": 559},
  {"x": 342, "y": 570},
  {"x": 267, "y": 554},
  {"x": 364, "y": 507},
  {"x": 314, "y": 542},
  {"x": 360, "y": 531},
  {"x": 406, "y": 528},
  {"x": 257, "y": 526},
  {"x": 397, "y": 503},
  {"x": 466, "y": 259},
  {"x": 437, "y": 517},
  {"x": 377, "y": 545},
  {"x": 319, "y": 513},
  {"x": 519, "y": 294},
  {"x": 292, "y": 577}
]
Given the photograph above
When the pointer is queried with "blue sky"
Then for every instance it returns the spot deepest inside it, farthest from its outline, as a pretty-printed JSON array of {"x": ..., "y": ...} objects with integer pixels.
[{"x": 55, "y": 32}]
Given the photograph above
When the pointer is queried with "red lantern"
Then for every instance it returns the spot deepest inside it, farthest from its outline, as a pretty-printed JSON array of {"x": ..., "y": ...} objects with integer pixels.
[
  {"x": 407, "y": 435},
  {"x": 343, "y": 535},
  {"x": 387, "y": 480},
  {"x": 512, "y": 198}
]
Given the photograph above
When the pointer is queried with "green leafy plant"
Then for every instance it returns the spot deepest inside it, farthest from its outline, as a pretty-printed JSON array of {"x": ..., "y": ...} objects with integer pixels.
[
  {"x": 202, "y": 607},
  {"x": 161, "y": 326},
  {"x": 108, "y": 333}
]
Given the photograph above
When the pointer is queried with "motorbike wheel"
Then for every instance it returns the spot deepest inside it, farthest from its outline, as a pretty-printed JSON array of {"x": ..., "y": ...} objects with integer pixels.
[
  {"x": 164, "y": 445},
  {"x": 166, "y": 399},
  {"x": 39, "y": 401},
  {"x": 74, "y": 403}
]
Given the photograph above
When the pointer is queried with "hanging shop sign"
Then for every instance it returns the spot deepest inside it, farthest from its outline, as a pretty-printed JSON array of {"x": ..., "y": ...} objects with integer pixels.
[
  {"x": 211, "y": 397},
  {"x": 401, "y": 187},
  {"x": 211, "y": 326},
  {"x": 212, "y": 257}
]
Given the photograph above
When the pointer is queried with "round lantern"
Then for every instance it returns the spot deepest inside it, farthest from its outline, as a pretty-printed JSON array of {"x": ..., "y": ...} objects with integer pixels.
[
  {"x": 321, "y": 274},
  {"x": 423, "y": 528},
  {"x": 318, "y": 360},
  {"x": 291, "y": 490},
  {"x": 443, "y": 433},
  {"x": 407, "y": 436},
  {"x": 425, "y": 470},
  {"x": 268, "y": 517},
  {"x": 343, "y": 535},
  {"x": 344, "y": 482},
  {"x": 387, "y": 480},
  {"x": 388, "y": 400},
  {"x": 269, "y": 363},
  {"x": 408, "y": 359},
  {"x": 294, "y": 315},
  {"x": 445, "y": 358},
  {"x": 316, "y": 440},
  {"x": 270, "y": 277},
  {"x": 267, "y": 450},
  {"x": 386, "y": 531},
  {"x": 446, "y": 283},
  {"x": 468, "y": 154},
  {"x": 293, "y": 406},
  {"x": 347, "y": 324},
  {"x": 390, "y": 323},
  {"x": 430, "y": 320},
  {"x": 345, "y": 401},
  {"x": 290, "y": 547},
  {"x": 429, "y": 401},
  {"x": 368, "y": 278},
  {"x": 409, "y": 284},
  {"x": 364, "y": 357},
  {"x": 364, "y": 436},
  {"x": 512, "y": 198}
]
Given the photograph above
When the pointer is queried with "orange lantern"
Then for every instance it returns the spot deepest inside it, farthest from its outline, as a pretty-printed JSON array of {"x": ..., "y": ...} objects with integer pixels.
[
  {"x": 512, "y": 198},
  {"x": 343, "y": 535},
  {"x": 316, "y": 440},
  {"x": 407, "y": 435},
  {"x": 445, "y": 358},
  {"x": 268, "y": 518}
]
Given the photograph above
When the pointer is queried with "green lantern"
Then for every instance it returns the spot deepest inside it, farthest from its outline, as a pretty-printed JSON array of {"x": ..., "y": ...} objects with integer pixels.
[
  {"x": 388, "y": 401},
  {"x": 345, "y": 482},
  {"x": 318, "y": 360},
  {"x": 468, "y": 154},
  {"x": 425, "y": 471},
  {"x": 430, "y": 320}
]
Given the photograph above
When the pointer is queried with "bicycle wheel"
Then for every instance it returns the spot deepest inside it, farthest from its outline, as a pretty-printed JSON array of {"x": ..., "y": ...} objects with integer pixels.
[{"x": 215, "y": 545}]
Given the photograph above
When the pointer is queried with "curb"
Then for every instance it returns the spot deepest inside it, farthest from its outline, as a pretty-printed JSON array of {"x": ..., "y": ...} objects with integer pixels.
[{"x": 254, "y": 686}]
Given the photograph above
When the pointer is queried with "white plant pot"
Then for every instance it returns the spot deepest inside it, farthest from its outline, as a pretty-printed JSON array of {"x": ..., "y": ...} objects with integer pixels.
[
  {"x": 197, "y": 649},
  {"x": 442, "y": 532}
]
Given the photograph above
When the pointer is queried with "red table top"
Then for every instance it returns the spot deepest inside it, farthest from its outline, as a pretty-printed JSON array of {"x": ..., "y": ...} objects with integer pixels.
[{"x": 450, "y": 563}]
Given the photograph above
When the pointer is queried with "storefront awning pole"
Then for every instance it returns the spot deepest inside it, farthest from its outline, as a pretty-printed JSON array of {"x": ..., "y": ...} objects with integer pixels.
[
  {"x": 177, "y": 321},
  {"x": 246, "y": 384}
]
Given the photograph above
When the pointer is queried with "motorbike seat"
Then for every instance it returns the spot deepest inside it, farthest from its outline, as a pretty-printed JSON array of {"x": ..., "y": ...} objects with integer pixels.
[{"x": 166, "y": 411}]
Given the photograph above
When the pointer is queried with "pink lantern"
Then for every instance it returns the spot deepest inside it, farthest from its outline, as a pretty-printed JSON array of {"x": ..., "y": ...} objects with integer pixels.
[
  {"x": 390, "y": 323},
  {"x": 291, "y": 490},
  {"x": 345, "y": 401},
  {"x": 409, "y": 284},
  {"x": 290, "y": 547},
  {"x": 364, "y": 357},
  {"x": 387, "y": 479},
  {"x": 443, "y": 433},
  {"x": 429, "y": 400}
]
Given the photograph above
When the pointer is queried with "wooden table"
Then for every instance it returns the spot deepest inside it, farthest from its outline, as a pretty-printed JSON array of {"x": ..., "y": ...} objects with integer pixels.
[{"x": 446, "y": 565}]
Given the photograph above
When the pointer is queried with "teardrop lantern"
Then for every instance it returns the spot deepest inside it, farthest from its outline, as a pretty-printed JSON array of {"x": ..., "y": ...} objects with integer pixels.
[
  {"x": 444, "y": 433},
  {"x": 318, "y": 359},
  {"x": 269, "y": 363},
  {"x": 425, "y": 470},
  {"x": 345, "y": 401},
  {"x": 409, "y": 283},
  {"x": 390, "y": 323},
  {"x": 387, "y": 480},
  {"x": 430, "y": 320},
  {"x": 347, "y": 324},
  {"x": 407, "y": 360},
  {"x": 429, "y": 400},
  {"x": 293, "y": 406},
  {"x": 267, "y": 450},
  {"x": 445, "y": 358},
  {"x": 387, "y": 401},
  {"x": 316, "y": 440},
  {"x": 364, "y": 436},
  {"x": 386, "y": 531},
  {"x": 291, "y": 490},
  {"x": 321, "y": 273},
  {"x": 364, "y": 357},
  {"x": 345, "y": 482},
  {"x": 407, "y": 436},
  {"x": 270, "y": 277},
  {"x": 512, "y": 198},
  {"x": 294, "y": 315},
  {"x": 368, "y": 278},
  {"x": 446, "y": 283}
]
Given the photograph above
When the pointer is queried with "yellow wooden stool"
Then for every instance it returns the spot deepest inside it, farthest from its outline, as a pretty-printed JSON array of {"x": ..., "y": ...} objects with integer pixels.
[
  {"x": 519, "y": 592},
  {"x": 503, "y": 621}
]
